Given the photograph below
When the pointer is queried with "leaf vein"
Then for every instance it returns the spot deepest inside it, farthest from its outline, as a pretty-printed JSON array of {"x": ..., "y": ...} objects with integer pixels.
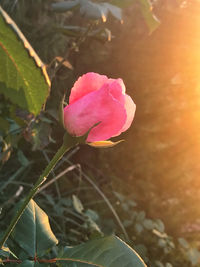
[{"x": 19, "y": 73}]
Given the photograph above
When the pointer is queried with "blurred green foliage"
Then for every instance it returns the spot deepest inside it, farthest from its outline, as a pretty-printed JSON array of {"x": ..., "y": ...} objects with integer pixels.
[{"x": 70, "y": 44}]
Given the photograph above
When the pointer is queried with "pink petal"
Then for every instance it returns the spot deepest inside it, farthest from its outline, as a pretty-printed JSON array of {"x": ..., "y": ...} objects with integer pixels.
[
  {"x": 97, "y": 106},
  {"x": 130, "y": 112},
  {"x": 120, "y": 82},
  {"x": 116, "y": 89},
  {"x": 86, "y": 84}
]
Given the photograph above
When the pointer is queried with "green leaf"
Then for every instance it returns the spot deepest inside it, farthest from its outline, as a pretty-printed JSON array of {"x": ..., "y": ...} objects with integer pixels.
[
  {"x": 93, "y": 215},
  {"x": 28, "y": 263},
  {"x": 99, "y": 11},
  {"x": 183, "y": 243},
  {"x": 77, "y": 204},
  {"x": 41, "y": 135},
  {"x": 93, "y": 10},
  {"x": 114, "y": 10},
  {"x": 22, "y": 158},
  {"x": 89, "y": 9},
  {"x": 23, "y": 76},
  {"x": 71, "y": 30},
  {"x": 150, "y": 19},
  {"x": 194, "y": 256},
  {"x": 138, "y": 228},
  {"x": 64, "y": 6},
  {"x": 33, "y": 232},
  {"x": 148, "y": 224},
  {"x": 104, "y": 252},
  {"x": 160, "y": 226}
]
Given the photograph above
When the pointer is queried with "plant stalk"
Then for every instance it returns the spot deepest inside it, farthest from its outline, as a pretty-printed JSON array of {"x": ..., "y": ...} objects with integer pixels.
[{"x": 67, "y": 144}]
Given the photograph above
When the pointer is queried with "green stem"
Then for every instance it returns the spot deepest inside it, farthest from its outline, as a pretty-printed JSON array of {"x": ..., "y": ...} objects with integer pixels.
[{"x": 67, "y": 144}]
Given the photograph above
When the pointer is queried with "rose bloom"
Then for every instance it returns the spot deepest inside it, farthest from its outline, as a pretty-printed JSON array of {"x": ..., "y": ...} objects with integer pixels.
[{"x": 98, "y": 101}]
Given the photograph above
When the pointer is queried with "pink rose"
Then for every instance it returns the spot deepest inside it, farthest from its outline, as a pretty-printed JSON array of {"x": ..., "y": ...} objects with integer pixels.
[{"x": 96, "y": 99}]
